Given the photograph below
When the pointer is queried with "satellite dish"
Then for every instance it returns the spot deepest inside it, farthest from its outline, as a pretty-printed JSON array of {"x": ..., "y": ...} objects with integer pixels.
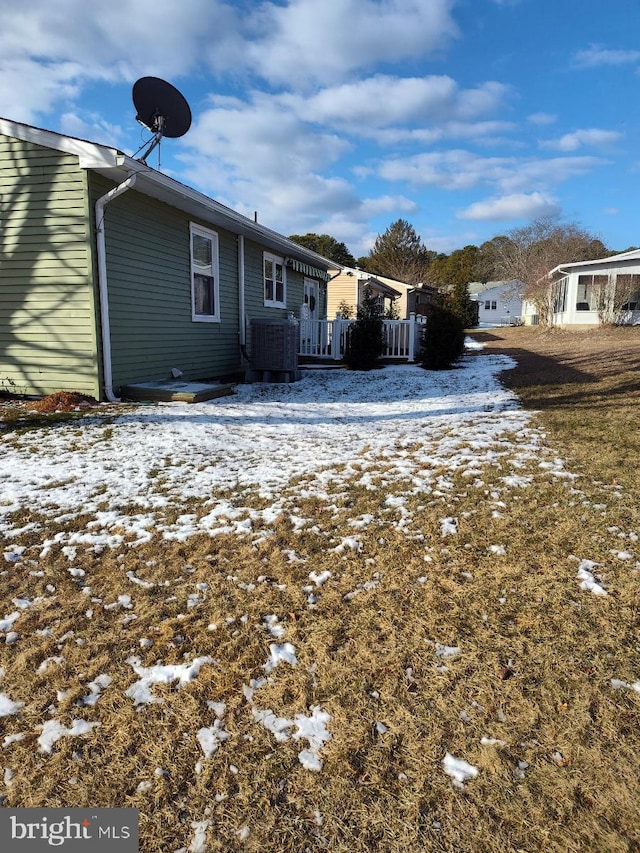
[{"x": 161, "y": 108}]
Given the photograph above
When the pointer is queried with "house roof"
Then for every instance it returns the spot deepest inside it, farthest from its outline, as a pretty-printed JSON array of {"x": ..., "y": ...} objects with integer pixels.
[
  {"x": 476, "y": 287},
  {"x": 381, "y": 287},
  {"x": 362, "y": 275},
  {"x": 561, "y": 269},
  {"x": 117, "y": 166}
]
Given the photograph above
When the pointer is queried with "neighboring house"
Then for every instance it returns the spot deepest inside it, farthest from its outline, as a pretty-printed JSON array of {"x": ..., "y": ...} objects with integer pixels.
[
  {"x": 348, "y": 285},
  {"x": 499, "y": 302},
  {"x": 587, "y": 293},
  {"x": 113, "y": 273},
  {"x": 421, "y": 297}
]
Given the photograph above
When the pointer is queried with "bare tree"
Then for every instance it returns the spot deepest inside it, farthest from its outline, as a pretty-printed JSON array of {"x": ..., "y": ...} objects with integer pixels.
[
  {"x": 617, "y": 297},
  {"x": 530, "y": 252}
]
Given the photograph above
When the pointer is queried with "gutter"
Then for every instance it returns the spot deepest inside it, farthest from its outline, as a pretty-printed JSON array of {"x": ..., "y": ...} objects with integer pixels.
[
  {"x": 241, "y": 301},
  {"x": 101, "y": 203}
]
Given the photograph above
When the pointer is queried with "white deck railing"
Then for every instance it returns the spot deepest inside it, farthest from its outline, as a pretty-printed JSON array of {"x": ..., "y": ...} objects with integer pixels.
[{"x": 328, "y": 338}]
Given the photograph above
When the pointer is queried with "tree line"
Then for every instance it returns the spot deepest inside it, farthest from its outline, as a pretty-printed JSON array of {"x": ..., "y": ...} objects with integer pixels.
[{"x": 525, "y": 254}]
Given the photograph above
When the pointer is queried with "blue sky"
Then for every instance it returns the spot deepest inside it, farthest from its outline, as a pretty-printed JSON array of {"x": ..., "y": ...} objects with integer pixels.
[{"x": 465, "y": 117}]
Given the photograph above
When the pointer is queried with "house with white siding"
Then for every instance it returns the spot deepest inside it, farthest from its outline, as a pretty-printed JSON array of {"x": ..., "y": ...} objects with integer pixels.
[
  {"x": 588, "y": 293},
  {"x": 499, "y": 302}
]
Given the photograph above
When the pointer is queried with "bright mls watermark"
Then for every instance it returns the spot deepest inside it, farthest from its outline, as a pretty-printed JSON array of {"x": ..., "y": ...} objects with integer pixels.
[{"x": 69, "y": 830}]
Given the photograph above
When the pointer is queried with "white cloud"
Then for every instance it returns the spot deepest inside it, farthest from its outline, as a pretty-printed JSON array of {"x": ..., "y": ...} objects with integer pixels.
[
  {"x": 530, "y": 173},
  {"x": 454, "y": 169},
  {"x": 462, "y": 170},
  {"x": 260, "y": 157},
  {"x": 52, "y": 51},
  {"x": 315, "y": 42},
  {"x": 435, "y": 101},
  {"x": 517, "y": 206},
  {"x": 29, "y": 88},
  {"x": 449, "y": 243},
  {"x": 596, "y": 56},
  {"x": 590, "y": 137},
  {"x": 542, "y": 118},
  {"x": 352, "y": 226},
  {"x": 92, "y": 127}
]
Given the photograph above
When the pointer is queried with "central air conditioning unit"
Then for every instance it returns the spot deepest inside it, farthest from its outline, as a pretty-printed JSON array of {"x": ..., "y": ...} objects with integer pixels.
[{"x": 274, "y": 350}]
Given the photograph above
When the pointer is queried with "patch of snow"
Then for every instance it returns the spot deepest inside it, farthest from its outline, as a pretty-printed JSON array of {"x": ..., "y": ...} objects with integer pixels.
[
  {"x": 448, "y": 652},
  {"x": 53, "y": 730},
  {"x": 459, "y": 769},
  {"x": 8, "y": 706},
  {"x": 617, "y": 684},
  {"x": 278, "y": 654},
  {"x": 320, "y": 577},
  {"x": 588, "y": 581},
  {"x": 199, "y": 840},
  {"x": 140, "y": 691},
  {"x": 448, "y": 526},
  {"x": 211, "y": 737}
]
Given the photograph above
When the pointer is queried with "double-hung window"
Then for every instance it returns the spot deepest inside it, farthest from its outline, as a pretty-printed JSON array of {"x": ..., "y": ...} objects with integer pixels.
[
  {"x": 275, "y": 281},
  {"x": 205, "y": 304}
]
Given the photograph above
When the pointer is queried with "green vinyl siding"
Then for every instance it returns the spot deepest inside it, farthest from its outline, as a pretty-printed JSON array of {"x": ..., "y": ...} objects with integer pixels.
[
  {"x": 254, "y": 290},
  {"x": 47, "y": 310},
  {"x": 149, "y": 284},
  {"x": 254, "y": 286}
]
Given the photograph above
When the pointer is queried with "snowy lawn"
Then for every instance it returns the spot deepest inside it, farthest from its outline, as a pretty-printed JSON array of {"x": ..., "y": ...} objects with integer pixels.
[{"x": 366, "y": 611}]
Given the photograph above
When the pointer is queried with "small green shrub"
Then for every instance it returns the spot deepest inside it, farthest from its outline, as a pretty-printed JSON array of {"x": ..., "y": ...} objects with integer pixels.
[{"x": 442, "y": 340}]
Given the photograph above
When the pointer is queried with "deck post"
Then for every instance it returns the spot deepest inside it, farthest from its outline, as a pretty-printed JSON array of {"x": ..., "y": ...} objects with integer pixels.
[
  {"x": 412, "y": 337},
  {"x": 336, "y": 337}
]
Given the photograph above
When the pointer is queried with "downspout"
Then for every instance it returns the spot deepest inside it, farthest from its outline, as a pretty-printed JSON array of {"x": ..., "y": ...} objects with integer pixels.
[
  {"x": 241, "y": 303},
  {"x": 101, "y": 203}
]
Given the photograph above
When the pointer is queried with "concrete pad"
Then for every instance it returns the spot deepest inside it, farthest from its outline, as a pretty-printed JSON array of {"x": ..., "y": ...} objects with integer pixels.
[{"x": 175, "y": 391}]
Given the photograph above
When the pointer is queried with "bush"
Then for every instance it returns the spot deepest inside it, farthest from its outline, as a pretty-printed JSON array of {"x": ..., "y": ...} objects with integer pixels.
[
  {"x": 365, "y": 338},
  {"x": 442, "y": 341}
]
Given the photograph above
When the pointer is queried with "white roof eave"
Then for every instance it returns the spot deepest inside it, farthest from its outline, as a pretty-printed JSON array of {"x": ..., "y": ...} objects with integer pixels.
[
  {"x": 117, "y": 166},
  {"x": 90, "y": 154},
  {"x": 163, "y": 188},
  {"x": 562, "y": 269}
]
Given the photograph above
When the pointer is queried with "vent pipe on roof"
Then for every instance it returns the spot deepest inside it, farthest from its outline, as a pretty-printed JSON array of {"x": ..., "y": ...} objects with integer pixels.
[{"x": 101, "y": 203}]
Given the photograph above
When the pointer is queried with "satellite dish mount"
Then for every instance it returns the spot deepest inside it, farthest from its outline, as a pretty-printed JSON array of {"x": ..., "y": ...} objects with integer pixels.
[{"x": 162, "y": 109}]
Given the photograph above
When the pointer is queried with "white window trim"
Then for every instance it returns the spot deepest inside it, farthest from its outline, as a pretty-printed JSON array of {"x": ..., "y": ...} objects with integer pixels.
[
  {"x": 215, "y": 261},
  {"x": 272, "y": 303}
]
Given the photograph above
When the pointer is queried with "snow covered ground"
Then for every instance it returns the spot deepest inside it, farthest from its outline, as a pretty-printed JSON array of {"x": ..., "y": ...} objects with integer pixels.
[
  {"x": 318, "y": 432},
  {"x": 238, "y": 463}
]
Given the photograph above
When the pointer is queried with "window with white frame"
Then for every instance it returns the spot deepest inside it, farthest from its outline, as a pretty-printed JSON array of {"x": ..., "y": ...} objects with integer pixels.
[
  {"x": 205, "y": 305},
  {"x": 490, "y": 305},
  {"x": 275, "y": 281},
  {"x": 591, "y": 290}
]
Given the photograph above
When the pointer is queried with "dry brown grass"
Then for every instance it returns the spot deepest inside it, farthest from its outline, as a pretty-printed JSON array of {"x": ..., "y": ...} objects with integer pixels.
[
  {"x": 586, "y": 385},
  {"x": 537, "y": 655}
]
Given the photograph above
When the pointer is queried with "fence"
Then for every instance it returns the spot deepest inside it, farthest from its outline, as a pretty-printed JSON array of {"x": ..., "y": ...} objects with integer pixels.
[{"x": 327, "y": 339}]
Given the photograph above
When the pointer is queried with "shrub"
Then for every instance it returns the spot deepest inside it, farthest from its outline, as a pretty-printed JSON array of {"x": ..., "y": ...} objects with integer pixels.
[
  {"x": 442, "y": 340},
  {"x": 365, "y": 338}
]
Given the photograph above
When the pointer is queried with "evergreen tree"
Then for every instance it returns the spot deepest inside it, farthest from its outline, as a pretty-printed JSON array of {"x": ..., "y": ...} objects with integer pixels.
[
  {"x": 327, "y": 246},
  {"x": 365, "y": 339},
  {"x": 460, "y": 271},
  {"x": 400, "y": 253},
  {"x": 442, "y": 342}
]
